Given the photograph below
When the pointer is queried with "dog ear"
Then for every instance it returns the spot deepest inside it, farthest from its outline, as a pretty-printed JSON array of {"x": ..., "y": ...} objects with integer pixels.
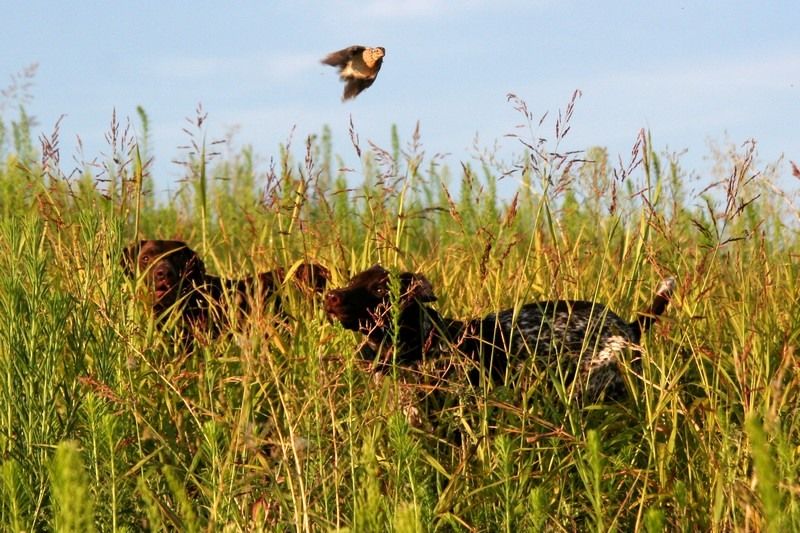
[
  {"x": 191, "y": 265},
  {"x": 130, "y": 256},
  {"x": 416, "y": 286},
  {"x": 312, "y": 276},
  {"x": 278, "y": 275}
]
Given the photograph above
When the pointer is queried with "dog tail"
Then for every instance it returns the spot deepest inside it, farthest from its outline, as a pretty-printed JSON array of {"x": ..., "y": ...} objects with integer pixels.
[{"x": 660, "y": 302}]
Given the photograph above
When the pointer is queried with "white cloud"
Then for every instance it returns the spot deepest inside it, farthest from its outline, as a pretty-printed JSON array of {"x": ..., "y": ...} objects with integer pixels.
[
  {"x": 773, "y": 72},
  {"x": 405, "y": 9},
  {"x": 292, "y": 65},
  {"x": 186, "y": 67},
  {"x": 273, "y": 67},
  {"x": 394, "y": 9}
]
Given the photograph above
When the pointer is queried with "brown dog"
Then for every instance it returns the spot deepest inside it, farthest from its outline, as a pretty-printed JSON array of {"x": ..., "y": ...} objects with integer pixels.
[{"x": 176, "y": 278}]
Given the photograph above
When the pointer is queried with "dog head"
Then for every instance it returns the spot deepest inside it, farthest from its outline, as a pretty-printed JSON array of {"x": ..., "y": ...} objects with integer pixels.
[
  {"x": 364, "y": 303},
  {"x": 312, "y": 277},
  {"x": 168, "y": 268}
]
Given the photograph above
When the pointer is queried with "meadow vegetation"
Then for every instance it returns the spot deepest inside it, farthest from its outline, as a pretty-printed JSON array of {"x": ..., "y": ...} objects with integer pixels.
[{"x": 105, "y": 425}]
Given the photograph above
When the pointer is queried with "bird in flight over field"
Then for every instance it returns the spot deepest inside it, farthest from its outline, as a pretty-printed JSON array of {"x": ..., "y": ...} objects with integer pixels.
[{"x": 358, "y": 67}]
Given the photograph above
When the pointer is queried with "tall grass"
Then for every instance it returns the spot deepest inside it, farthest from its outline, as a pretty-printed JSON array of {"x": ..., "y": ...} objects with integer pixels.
[{"x": 107, "y": 425}]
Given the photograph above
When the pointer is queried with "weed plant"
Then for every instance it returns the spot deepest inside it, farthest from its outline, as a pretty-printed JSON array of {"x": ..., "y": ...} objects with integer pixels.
[{"x": 106, "y": 425}]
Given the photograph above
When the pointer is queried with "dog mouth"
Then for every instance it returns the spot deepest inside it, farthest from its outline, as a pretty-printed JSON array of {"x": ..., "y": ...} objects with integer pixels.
[
  {"x": 353, "y": 322},
  {"x": 337, "y": 314},
  {"x": 340, "y": 315},
  {"x": 162, "y": 291}
]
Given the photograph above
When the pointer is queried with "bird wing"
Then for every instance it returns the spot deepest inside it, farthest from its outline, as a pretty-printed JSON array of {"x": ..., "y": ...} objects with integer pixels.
[
  {"x": 341, "y": 57},
  {"x": 355, "y": 86}
]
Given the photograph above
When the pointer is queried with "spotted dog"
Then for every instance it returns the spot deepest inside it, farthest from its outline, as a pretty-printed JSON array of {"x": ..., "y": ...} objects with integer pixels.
[{"x": 584, "y": 338}]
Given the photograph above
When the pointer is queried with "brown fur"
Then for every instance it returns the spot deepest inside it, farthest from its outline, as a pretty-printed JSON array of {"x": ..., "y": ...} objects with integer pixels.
[{"x": 176, "y": 279}]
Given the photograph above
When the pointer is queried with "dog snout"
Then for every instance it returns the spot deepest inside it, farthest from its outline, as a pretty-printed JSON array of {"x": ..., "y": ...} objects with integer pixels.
[
  {"x": 161, "y": 272},
  {"x": 164, "y": 273},
  {"x": 332, "y": 300}
]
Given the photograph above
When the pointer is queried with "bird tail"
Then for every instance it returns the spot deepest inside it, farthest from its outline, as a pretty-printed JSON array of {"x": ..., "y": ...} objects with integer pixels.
[{"x": 660, "y": 302}]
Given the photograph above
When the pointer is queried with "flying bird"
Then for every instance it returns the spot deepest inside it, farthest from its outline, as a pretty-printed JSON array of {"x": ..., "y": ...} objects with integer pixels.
[{"x": 358, "y": 67}]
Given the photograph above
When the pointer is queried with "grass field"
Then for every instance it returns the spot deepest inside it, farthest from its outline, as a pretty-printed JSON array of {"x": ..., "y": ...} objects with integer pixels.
[{"x": 106, "y": 426}]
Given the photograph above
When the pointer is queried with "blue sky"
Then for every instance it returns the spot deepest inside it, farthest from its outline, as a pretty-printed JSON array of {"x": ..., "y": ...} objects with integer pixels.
[{"x": 688, "y": 71}]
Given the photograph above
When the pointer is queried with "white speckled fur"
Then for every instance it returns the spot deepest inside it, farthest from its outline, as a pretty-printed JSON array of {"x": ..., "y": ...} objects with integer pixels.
[{"x": 586, "y": 339}]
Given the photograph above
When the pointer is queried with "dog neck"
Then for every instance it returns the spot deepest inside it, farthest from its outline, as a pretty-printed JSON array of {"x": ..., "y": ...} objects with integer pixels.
[{"x": 422, "y": 334}]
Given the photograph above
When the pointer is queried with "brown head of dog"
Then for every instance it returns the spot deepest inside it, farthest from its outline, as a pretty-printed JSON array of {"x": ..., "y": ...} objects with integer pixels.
[{"x": 170, "y": 270}]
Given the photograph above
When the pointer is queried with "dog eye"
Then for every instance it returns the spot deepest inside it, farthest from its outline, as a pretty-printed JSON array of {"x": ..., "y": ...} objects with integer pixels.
[{"x": 145, "y": 259}]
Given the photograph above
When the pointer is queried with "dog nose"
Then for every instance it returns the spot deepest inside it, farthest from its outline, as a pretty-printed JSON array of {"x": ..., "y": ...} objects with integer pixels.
[
  {"x": 160, "y": 273},
  {"x": 333, "y": 298}
]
